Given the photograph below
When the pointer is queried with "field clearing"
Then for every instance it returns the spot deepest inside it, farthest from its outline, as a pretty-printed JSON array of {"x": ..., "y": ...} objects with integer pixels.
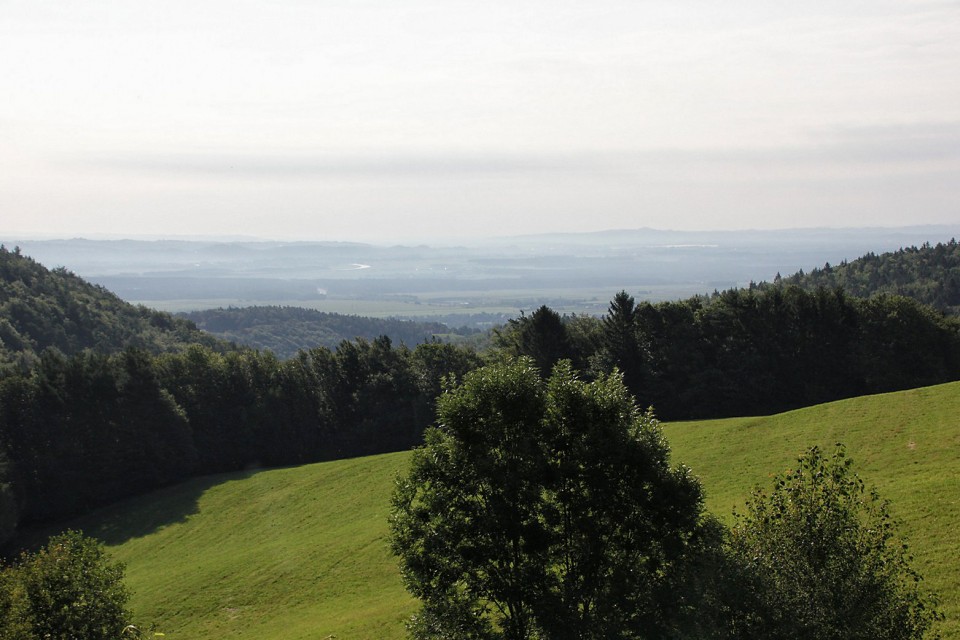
[
  {"x": 441, "y": 303},
  {"x": 291, "y": 553},
  {"x": 906, "y": 444},
  {"x": 298, "y": 553}
]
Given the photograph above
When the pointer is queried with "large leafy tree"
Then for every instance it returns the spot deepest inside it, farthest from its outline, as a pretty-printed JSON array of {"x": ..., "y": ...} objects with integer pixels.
[
  {"x": 825, "y": 559},
  {"x": 546, "y": 509}
]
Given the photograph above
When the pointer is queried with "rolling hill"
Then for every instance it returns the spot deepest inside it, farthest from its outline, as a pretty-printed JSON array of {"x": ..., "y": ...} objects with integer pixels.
[
  {"x": 929, "y": 274},
  {"x": 286, "y": 330},
  {"x": 42, "y": 308},
  {"x": 302, "y": 552}
]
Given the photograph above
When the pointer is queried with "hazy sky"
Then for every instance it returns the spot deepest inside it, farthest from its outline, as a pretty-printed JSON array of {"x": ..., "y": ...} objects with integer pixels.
[{"x": 386, "y": 120}]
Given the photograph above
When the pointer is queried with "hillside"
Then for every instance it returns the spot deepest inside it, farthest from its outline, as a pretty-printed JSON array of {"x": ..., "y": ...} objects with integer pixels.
[
  {"x": 42, "y": 308},
  {"x": 907, "y": 444},
  {"x": 928, "y": 274},
  {"x": 301, "y": 552},
  {"x": 285, "y": 330},
  {"x": 286, "y": 554}
]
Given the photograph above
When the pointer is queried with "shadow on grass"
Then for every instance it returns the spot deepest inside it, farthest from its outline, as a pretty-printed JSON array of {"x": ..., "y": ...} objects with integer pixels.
[{"x": 134, "y": 517}]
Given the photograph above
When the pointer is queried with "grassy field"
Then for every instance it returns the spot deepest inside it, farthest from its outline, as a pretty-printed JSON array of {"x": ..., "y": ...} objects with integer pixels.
[
  {"x": 440, "y": 303},
  {"x": 302, "y": 552},
  {"x": 906, "y": 444},
  {"x": 283, "y": 553}
]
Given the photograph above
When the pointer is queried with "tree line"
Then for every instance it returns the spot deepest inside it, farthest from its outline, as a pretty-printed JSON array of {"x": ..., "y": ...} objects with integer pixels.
[
  {"x": 748, "y": 351},
  {"x": 85, "y": 430},
  {"x": 929, "y": 274},
  {"x": 80, "y": 427},
  {"x": 56, "y": 309},
  {"x": 286, "y": 330}
]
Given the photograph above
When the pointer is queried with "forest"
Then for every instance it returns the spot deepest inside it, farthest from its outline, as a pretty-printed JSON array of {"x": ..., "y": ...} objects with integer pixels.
[
  {"x": 104, "y": 400},
  {"x": 286, "y": 330},
  {"x": 929, "y": 274}
]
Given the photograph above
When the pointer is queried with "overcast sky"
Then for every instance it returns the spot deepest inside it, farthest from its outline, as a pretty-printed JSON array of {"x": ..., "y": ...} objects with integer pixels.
[{"x": 385, "y": 120}]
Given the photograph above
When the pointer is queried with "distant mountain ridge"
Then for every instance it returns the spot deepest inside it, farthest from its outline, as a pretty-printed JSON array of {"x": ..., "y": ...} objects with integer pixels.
[{"x": 42, "y": 308}]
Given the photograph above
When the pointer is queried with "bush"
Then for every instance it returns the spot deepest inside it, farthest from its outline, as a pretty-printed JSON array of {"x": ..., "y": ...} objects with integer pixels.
[
  {"x": 69, "y": 590},
  {"x": 826, "y": 560}
]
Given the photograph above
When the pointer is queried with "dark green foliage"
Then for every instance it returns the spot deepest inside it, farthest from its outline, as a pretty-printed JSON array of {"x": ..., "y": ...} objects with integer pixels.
[
  {"x": 928, "y": 274},
  {"x": 65, "y": 591},
  {"x": 750, "y": 351},
  {"x": 89, "y": 413},
  {"x": 42, "y": 309},
  {"x": 546, "y": 509},
  {"x": 83, "y": 431},
  {"x": 15, "y": 622},
  {"x": 825, "y": 561},
  {"x": 286, "y": 330},
  {"x": 623, "y": 344},
  {"x": 541, "y": 336},
  {"x": 90, "y": 428}
]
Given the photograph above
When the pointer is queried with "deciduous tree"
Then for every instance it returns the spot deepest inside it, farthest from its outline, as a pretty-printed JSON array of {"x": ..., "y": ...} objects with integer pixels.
[
  {"x": 827, "y": 560},
  {"x": 546, "y": 509}
]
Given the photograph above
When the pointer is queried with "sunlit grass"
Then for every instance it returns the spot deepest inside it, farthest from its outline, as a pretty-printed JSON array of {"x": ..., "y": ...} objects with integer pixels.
[
  {"x": 906, "y": 444},
  {"x": 302, "y": 552},
  {"x": 283, "y": 553}
]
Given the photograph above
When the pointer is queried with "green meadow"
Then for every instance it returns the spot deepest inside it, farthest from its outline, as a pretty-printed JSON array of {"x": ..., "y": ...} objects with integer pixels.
[
  {"x": 906, "y": 444},
  {"x": 303, "y": 553},
  {"x": 281, "y": 553}
]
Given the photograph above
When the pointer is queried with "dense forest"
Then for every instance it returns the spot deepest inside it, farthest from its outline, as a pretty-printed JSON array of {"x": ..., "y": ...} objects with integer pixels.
[
  {"x": 928, "y": 274},
  {"x": 85, "y": 430},
  {"x": 43, "y": 309},
  {"x": 286, "y": 330},
  {"x": 749, "y": 352}
]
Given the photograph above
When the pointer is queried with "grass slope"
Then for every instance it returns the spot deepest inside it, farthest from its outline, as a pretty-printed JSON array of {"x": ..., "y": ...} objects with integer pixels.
[
  {"x": 906, "y": 444},
  {"x": 302, "y": 552},
  {"x": 284, "y": 553}
]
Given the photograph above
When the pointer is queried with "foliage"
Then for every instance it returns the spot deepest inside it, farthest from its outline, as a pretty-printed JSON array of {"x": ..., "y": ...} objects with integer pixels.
[
  {"x": 83, "y": 431},
  {"x": 67, "y": 590},
  {"x": 928, "y": 274},
  {"x": 545, "y": 508},
  {"x": 15, "y": 622},
  {"x": 541, "y": 336},
  {"x": 759, "y": 351},
  {"x": 827, "y": 559},
  {"x": 42, "y": 309},
  {"x": 286, "y": 330},
  {"x": 623, "y": 344}
]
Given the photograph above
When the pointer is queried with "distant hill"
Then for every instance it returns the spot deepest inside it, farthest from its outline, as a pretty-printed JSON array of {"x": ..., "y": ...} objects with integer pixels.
[
  {"x": 42, "y": 308},
  {"x": 302, "y": 552},
  {"x": 929, "y": 274},
  {"x": 285, "y": 330}
]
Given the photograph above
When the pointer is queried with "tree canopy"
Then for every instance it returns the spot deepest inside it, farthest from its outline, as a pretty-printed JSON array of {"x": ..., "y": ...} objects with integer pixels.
[
  {"x": 546, "y": 508},
  {"x": 929, "y": 274},
  {"x": 67, "y": 590},
  {"x": 825, "y": 559}
]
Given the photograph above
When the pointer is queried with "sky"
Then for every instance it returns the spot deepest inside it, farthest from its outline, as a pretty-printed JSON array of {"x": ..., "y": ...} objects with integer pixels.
[{"x": 385, "y": 121}]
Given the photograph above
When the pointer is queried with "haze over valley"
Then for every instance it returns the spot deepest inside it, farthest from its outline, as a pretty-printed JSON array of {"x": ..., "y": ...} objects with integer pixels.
[{"x": 479, "y": 283}]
